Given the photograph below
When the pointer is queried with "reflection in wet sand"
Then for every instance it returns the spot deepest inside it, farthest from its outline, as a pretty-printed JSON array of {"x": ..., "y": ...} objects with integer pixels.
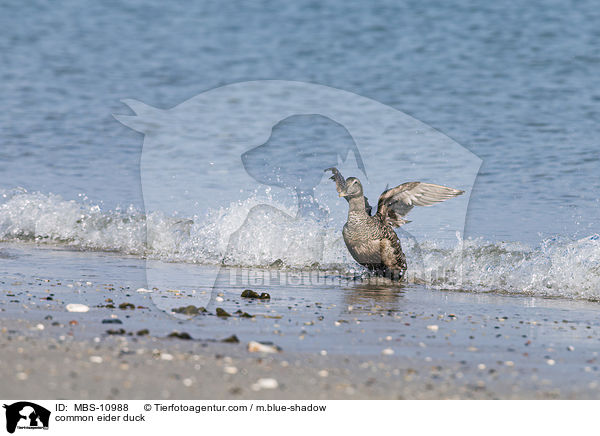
[{"x": 374, "y": 297}]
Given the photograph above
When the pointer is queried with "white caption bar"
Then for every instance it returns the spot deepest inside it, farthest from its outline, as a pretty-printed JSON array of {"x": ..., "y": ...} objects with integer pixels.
[{"x": 273, "y": 417}]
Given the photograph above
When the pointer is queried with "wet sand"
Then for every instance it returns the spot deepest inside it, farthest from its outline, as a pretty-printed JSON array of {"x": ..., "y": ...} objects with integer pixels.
[
  {"x": 336, "y": 342},
  {"x": 50, "y": 365}
]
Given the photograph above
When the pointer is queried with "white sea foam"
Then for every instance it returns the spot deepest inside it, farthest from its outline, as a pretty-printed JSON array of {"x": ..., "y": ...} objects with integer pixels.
[
  {"x": 557, "y": 267},
  {"x": 258, "y": 231},
  {"x": 253, "y": 232}
]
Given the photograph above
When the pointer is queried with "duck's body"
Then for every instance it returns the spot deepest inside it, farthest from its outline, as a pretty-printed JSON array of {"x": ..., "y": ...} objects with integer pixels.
[{"x": 371, "y": 240}]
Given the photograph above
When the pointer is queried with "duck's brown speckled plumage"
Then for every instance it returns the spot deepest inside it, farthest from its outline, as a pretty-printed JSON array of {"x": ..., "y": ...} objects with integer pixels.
[{"x": 371, "y": 240}]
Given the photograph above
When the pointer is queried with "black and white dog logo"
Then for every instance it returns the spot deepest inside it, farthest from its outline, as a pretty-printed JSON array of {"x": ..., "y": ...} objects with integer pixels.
[{"x": 26, "y": 415}]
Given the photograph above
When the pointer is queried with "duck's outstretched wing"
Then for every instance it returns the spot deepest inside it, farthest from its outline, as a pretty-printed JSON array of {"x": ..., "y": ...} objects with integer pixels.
[
  {"x": 340, "y": 185},
  {"x": 396, "y": 202}
]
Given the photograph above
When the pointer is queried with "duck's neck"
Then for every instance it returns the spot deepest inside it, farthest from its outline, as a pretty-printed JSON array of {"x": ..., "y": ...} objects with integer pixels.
[{"x": 357, "y": 206}]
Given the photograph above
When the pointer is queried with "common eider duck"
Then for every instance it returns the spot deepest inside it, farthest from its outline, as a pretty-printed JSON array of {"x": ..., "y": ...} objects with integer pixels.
[{"x": 371, "y": 240}]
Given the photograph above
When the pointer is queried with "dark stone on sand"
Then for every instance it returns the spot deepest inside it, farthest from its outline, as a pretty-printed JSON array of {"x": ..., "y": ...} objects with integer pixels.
[
  {"x": 125, "y": 306},
  {"x": 143, "y": 332},
  {"x": 180, "y": 335},
  {"x": 249, "y": 293},
  {"x": 233, "y": 339},
  {"x": 222, "y": 313},
  {"x": 112, "y": 321},
  {"x": 189, "y": 310},
  {"x": 242, "y": 314},
  {"x": 116, "y": 332}
]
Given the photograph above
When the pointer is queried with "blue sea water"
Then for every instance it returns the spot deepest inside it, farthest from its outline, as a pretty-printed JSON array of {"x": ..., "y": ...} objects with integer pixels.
[{"x": 516, "y": 84}]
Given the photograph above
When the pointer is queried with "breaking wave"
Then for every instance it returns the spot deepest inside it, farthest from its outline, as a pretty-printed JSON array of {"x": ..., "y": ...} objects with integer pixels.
[{"x": 259, "y": 232}]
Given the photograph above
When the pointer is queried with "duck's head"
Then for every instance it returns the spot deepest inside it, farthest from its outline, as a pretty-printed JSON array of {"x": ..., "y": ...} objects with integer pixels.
[{"x": 352, "y": 189}]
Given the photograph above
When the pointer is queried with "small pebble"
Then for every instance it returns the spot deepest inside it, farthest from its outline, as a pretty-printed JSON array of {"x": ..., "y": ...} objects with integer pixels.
[
  {"x": 433, "y": 328},
  {"x": 323, "y": 373},
  {"x": 166, "y": 356},
  {"x": 221, "y": 313},
  {"x": 96, "y": 359},
  {"x": 265, "y": 383},
  {"x": 257, "y": 347},
  {"x": 230, "y": 370},
  {"x": 75, "y": 307},
  {"x": 249, "y": 293},
  {"x": 387, "y": 351}
]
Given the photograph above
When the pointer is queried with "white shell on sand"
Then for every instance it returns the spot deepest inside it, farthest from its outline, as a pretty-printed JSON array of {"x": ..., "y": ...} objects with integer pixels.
[
  {"x": 257, "y": 347},
  {"x": 76, "y": 307},
  {"x": 265, "y": 383},
  {"x": 230, "y": 370}
]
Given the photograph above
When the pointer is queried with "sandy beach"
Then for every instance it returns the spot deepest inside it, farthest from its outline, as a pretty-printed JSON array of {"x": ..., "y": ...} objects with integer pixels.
[
  {"x": 347, "y": 342},
  {"x": 55, "y": 365}
]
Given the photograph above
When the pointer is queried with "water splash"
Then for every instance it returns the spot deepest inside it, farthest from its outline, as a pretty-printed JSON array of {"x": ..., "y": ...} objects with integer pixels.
[
  {"x": 258, "y": 232},
  {"x": 557, "y": 268}
]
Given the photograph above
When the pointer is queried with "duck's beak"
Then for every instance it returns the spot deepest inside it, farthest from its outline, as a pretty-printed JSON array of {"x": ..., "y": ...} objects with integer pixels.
[{"x": 343, "y": 194}]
